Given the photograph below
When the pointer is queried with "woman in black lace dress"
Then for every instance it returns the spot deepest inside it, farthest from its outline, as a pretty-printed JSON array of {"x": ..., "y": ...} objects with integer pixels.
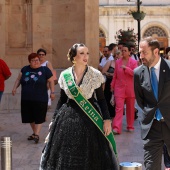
[
  {"x": 108, "y": 71},
  {"x": 75, "y": 142}
]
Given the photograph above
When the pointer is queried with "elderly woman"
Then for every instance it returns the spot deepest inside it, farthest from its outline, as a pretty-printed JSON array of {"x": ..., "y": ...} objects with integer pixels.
[
  {"x": 123, "y": 88},
  {"x": 34, "y": 98}
]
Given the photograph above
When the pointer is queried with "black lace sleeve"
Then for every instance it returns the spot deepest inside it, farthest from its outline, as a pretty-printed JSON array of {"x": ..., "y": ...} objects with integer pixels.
[
  {"x": 62, "y": 99},
  {"x": 102, "y": 103}
]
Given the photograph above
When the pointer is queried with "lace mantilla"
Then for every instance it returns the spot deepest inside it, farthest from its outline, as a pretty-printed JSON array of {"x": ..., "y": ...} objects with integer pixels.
[{"x": 91, "y": 81}]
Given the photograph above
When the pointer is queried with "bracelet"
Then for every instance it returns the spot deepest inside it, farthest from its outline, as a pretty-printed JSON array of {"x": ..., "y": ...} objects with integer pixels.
[{"x": 52, "y": 92}]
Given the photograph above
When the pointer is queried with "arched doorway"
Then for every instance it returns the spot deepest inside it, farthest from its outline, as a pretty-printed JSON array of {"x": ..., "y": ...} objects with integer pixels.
[
  {"x": 102, "y": 40},
  {"x": 160, "y": 35}
]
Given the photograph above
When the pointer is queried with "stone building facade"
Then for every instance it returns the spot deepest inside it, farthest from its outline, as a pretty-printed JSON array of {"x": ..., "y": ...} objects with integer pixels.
[
  {"x": 55, "y": 25},
  {"x": 113, "y": 17},
  {"x": 26, "y": 25}
]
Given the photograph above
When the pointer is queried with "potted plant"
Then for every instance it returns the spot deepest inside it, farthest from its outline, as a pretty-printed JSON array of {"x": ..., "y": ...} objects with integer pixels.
[
  {"x": 137, "y": 15},
  {"x": 126, "y": 37}
]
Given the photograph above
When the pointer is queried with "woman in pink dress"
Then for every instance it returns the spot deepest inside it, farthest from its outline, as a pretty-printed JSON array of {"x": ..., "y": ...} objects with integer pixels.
[{"x": 123, "y": 88}]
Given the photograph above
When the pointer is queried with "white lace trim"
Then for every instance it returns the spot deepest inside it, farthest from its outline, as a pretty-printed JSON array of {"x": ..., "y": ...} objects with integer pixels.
[{"x": 91, "y": 81}]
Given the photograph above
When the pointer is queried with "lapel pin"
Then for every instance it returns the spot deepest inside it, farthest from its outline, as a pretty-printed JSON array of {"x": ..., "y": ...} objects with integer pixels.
[{"x": 163, "y": 70}]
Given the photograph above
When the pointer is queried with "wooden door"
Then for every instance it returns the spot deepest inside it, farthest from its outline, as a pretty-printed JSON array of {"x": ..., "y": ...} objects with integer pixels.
[
  {"x": 163, "y": 44},
  {"x": 102, "y": 43}
]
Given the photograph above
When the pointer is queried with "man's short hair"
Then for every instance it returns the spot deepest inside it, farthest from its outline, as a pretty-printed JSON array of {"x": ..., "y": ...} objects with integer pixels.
[
  {"x": 152, "y": 42},
  {"x": 111, "y": 46}
]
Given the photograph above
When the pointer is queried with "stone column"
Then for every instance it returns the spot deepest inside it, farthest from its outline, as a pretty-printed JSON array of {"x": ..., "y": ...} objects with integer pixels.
[
  {"x": 75, "y": 22},
  {"x": 2, "y": 29},
  {"x": 42, "y": 26}
]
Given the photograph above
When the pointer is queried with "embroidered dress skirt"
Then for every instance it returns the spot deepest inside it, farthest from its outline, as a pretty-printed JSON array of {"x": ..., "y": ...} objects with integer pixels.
[{"x": 75, "y": 143}]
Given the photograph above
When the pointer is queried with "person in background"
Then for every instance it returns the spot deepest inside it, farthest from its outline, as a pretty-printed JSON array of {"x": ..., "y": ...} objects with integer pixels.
[
  {"x": 105, "y": 51},
  {"x": 152, "y": 90},
  {"x": 135, "y": 57},
  {"x": 118, "y": 55},
  {"x": 44, "y": 62},
  {"x": 34, "y": 98},
  {"x": 4, "y": 75},
  {"x": 123, "y": 88},
  {"x": 108, "y": 71},
  {"x": 100, "y": 56},
  {"x": 106, "y": 58},
  {"x": 120, "y": 45},
  {"x": 166, "y": 155},
  {"x": 133, "y": 54},
  {"x": 75, "y": 142},
  {"x": 112, "y": 49},
  {"x": 167, "y": 55}
]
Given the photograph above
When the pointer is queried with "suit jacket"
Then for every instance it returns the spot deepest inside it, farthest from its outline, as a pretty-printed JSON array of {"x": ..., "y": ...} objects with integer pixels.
[
  {"x": 122, "y": 82},
  {"x": 145, "y": 96}
]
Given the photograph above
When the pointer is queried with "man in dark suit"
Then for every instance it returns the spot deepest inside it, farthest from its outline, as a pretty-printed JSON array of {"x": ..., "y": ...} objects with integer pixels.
[{"x": 155, "y": 121}]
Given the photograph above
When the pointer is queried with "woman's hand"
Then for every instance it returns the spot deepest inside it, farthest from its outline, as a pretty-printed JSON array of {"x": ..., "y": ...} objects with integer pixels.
[
  {"x": 52, "y": 96},
  {"x": 112, "y": 90},
  {"x": 13, "y": 92},
  {"x": 112, "y": 100},
  {"x": 107, "y": 127},
  {"x": 123, "y": 66}
]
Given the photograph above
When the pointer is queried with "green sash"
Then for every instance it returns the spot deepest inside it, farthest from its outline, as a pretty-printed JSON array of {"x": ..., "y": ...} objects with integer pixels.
[{"x": 86, "y": 106}]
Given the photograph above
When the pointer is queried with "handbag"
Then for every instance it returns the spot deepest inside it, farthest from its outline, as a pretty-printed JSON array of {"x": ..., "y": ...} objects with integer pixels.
[{"x": 55, "y": 77}]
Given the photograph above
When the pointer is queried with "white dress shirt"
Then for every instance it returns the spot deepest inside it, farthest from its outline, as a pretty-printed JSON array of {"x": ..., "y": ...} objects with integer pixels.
[{"x": 104, "y": 60}]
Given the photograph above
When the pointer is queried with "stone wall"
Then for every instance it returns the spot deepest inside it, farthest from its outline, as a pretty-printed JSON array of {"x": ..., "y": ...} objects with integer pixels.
[
  {"x": 55, "y": 25},
  {"x": 75, "y": 22}
]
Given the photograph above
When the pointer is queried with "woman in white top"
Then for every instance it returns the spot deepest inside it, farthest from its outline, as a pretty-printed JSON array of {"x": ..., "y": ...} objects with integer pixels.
[{"x": 44, "y": 62}]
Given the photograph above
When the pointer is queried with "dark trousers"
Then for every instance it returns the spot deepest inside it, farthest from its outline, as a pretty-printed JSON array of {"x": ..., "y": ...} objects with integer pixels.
[
  {"x": 1, "y": 92},
  {"x": 153, "y": 144},
  {"x": 166, "y": 157}
]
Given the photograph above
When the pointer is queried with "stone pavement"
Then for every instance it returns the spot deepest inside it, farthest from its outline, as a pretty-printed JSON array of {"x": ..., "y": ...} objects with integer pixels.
[{"x": 26, "y": 154}]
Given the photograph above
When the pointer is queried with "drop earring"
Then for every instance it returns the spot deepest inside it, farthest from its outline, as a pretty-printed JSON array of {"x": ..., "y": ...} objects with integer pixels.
[{"x": 74, "y": 61}]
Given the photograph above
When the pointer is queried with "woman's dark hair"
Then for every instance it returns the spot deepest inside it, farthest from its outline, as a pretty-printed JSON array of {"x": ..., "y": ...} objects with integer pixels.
[
  {"x": 33, "y": 55},
  {"x": 167, "y": 50},
  {"x": 127, "y": 46},
  {"x": 73, "y": 51},
  {"x": 41, "y": 50}
]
